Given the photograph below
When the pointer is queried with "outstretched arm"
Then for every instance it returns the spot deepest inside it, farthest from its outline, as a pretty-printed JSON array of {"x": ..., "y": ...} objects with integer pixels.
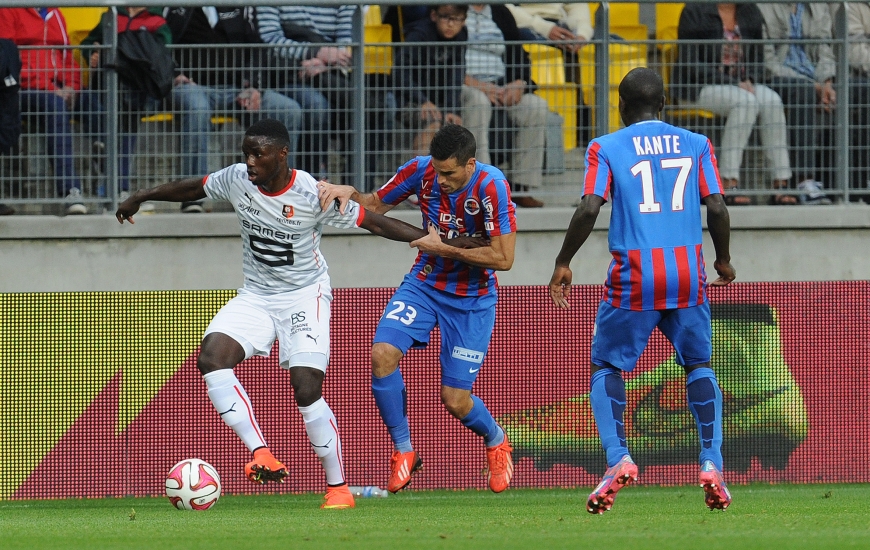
[
  {"x": 186, "y": 190},
  {"x": 719, "y": 225},
  {"x": 390, "y": 228},
  {"x": 578, "y": 231}
]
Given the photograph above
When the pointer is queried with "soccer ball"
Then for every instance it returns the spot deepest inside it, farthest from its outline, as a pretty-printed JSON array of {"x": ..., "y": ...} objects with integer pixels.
[{"x": 193, "y": 484}]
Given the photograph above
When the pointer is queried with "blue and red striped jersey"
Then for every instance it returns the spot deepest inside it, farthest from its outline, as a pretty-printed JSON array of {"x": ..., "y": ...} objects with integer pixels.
[
  {"x": 482, "y": 208},
  {"x": 655, "y": 176}
]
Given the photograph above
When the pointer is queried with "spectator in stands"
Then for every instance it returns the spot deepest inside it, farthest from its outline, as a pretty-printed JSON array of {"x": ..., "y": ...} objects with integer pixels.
[
  {"x": 554, "y": 22},
  {"x": 803, "y": 75},
  {"x": 498, "y": 77},
  {"x": 858, "y": 28},
  {"x": 429, "y": 78},
  {"x": 220, "y": 80},
  {"x": 725, "y": 78},
  {"x": 50, "y": 84},
  {"x": 133, "y": 102},
  {"x": 318, "y": 119},
  {"x": 315, "y": 49}
]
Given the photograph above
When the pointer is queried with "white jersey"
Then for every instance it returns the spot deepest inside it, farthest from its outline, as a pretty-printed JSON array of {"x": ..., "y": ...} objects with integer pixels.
[{"x": 280, "y": 232}]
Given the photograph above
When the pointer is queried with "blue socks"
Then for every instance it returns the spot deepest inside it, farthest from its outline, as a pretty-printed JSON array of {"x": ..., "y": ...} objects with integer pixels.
[
  {"x": 480, "y": 421},
  {"x": 392, "y": 402},
  {"x": 705, "y": 402},
  {"x": 607, "y": 397}
]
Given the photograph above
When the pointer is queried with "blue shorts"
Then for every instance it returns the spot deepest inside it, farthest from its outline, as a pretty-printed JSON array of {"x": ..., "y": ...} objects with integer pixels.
[
  {"x": 466, "y": 327},
  {"x": 621, "y": 335}
]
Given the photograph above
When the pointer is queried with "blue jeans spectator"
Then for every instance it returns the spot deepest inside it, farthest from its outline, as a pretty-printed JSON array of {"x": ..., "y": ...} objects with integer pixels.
[
  {"x": 196, "y": 104},
  {"x": 55, "y": 118}
]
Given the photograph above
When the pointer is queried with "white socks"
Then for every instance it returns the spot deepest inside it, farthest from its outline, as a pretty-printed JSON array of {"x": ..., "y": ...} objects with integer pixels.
[
  {"x": 323, "y": 434},
  {"x": 234, "y": 406}
]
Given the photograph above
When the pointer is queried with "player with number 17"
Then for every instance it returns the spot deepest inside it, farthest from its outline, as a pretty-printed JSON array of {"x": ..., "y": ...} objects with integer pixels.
[{"x": 656, "y": 176}]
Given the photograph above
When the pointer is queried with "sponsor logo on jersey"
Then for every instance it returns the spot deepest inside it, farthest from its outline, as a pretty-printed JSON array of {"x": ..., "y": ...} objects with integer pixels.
[
  {"x": 288, "y": 211},
  {"x": 465, "y": 354},
  {"x": 451, "y": 219},
  {"x": 248, "y": 209},
  {"x": 427, "y": 269},
  {"x": 489, "y": 226},
  {"x": 472, "y": 206},
  {"x": 267, "y": 231},
  {"x": 285, "y": 221},
  {"x": 487, "y": 206}
]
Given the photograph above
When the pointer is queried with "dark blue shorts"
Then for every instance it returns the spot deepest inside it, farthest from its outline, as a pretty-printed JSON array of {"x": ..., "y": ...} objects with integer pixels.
[
  {"x": 466, "y": 327},
  {"x": 621, "y": 335}
]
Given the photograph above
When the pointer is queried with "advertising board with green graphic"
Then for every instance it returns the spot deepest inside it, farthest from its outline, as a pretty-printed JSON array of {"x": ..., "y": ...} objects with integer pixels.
[{"x": 100, "y": 393}]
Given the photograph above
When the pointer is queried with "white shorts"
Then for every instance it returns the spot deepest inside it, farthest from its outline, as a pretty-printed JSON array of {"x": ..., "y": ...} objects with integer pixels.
[{"x": 299, "y": 320}]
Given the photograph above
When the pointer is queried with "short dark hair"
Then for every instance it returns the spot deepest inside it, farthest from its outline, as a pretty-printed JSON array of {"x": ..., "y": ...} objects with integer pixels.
[
  {"x": 453, "y": 141},
  {"x": 272, "y": 129},
  {"x": 462, "y": 8},
  {"x": 642, "y": 87}
]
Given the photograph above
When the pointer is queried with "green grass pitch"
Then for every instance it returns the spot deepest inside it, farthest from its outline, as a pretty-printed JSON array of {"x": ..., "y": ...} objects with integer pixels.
[{"x": 766, "y": 517}]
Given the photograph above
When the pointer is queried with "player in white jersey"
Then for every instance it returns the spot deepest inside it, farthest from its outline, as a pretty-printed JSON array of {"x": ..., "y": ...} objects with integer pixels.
[{"x": 286, "y": 295}]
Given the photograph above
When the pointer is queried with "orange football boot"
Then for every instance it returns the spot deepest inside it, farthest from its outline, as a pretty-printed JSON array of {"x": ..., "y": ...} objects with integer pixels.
[
  {"x": 402, "y": 466},
  {"x": 265, "y": 467},
  {"x": 338, "y": 498}
]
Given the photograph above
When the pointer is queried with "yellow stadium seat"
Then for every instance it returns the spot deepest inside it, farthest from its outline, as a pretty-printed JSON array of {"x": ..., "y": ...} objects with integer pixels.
[
  {"x": 548, "y": 72},
  {"x": 167, "y": 117},
  {"x": 625, "y": 22},
  {"x": 667, "y": 19},
  {"x": 378, "y": 59},
  {"x": 622, "y": 58},
  {"x": 372, "y": 15},
  {"x": 80, "y": 22}
]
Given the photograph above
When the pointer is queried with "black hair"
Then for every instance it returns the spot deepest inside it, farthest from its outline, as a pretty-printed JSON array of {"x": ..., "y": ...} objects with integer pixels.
[
  {"x": 642, "y": 89},
  {"x": 453, "y": 141},
  {"x": 462, "y": 8},
  {"x": 271, "y": 129}
]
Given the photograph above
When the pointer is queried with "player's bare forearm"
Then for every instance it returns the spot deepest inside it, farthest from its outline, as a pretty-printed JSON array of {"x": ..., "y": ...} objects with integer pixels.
[
  {"x": 498, "y": 254},
  {"x": 719, "y": 225},
  {"x": 582, "y": 223},
  {"x": 186, "y": 190},
  {"x": 391, "y": 228},
  {"x": 466, "y": 241}
]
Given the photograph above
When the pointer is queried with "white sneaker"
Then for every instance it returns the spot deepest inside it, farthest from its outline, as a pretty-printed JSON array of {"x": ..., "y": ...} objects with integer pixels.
[
  {"x": 75, "y": 206},
  {"x": 813, "y": 193}
]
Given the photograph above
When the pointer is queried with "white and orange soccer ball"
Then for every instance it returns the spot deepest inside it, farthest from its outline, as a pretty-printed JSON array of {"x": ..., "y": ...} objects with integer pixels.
[{"x": 193, "y": 484}]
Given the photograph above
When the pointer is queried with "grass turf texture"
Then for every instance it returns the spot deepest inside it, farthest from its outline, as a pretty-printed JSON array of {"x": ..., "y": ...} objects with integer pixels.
[{"x": 762, "y": 516}]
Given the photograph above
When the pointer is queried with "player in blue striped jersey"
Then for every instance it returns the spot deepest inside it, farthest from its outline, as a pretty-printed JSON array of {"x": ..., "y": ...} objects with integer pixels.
[
  {"x": 448, "y": 286},
  {"x": 656, "y": 176}
]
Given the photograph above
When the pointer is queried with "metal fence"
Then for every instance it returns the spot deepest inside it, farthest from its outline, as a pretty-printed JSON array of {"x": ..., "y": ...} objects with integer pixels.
[{"x": 362, "y": 123}]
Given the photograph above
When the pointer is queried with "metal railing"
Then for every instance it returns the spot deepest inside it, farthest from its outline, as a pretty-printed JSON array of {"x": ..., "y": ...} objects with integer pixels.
[{"x": 362, "y": 138}]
